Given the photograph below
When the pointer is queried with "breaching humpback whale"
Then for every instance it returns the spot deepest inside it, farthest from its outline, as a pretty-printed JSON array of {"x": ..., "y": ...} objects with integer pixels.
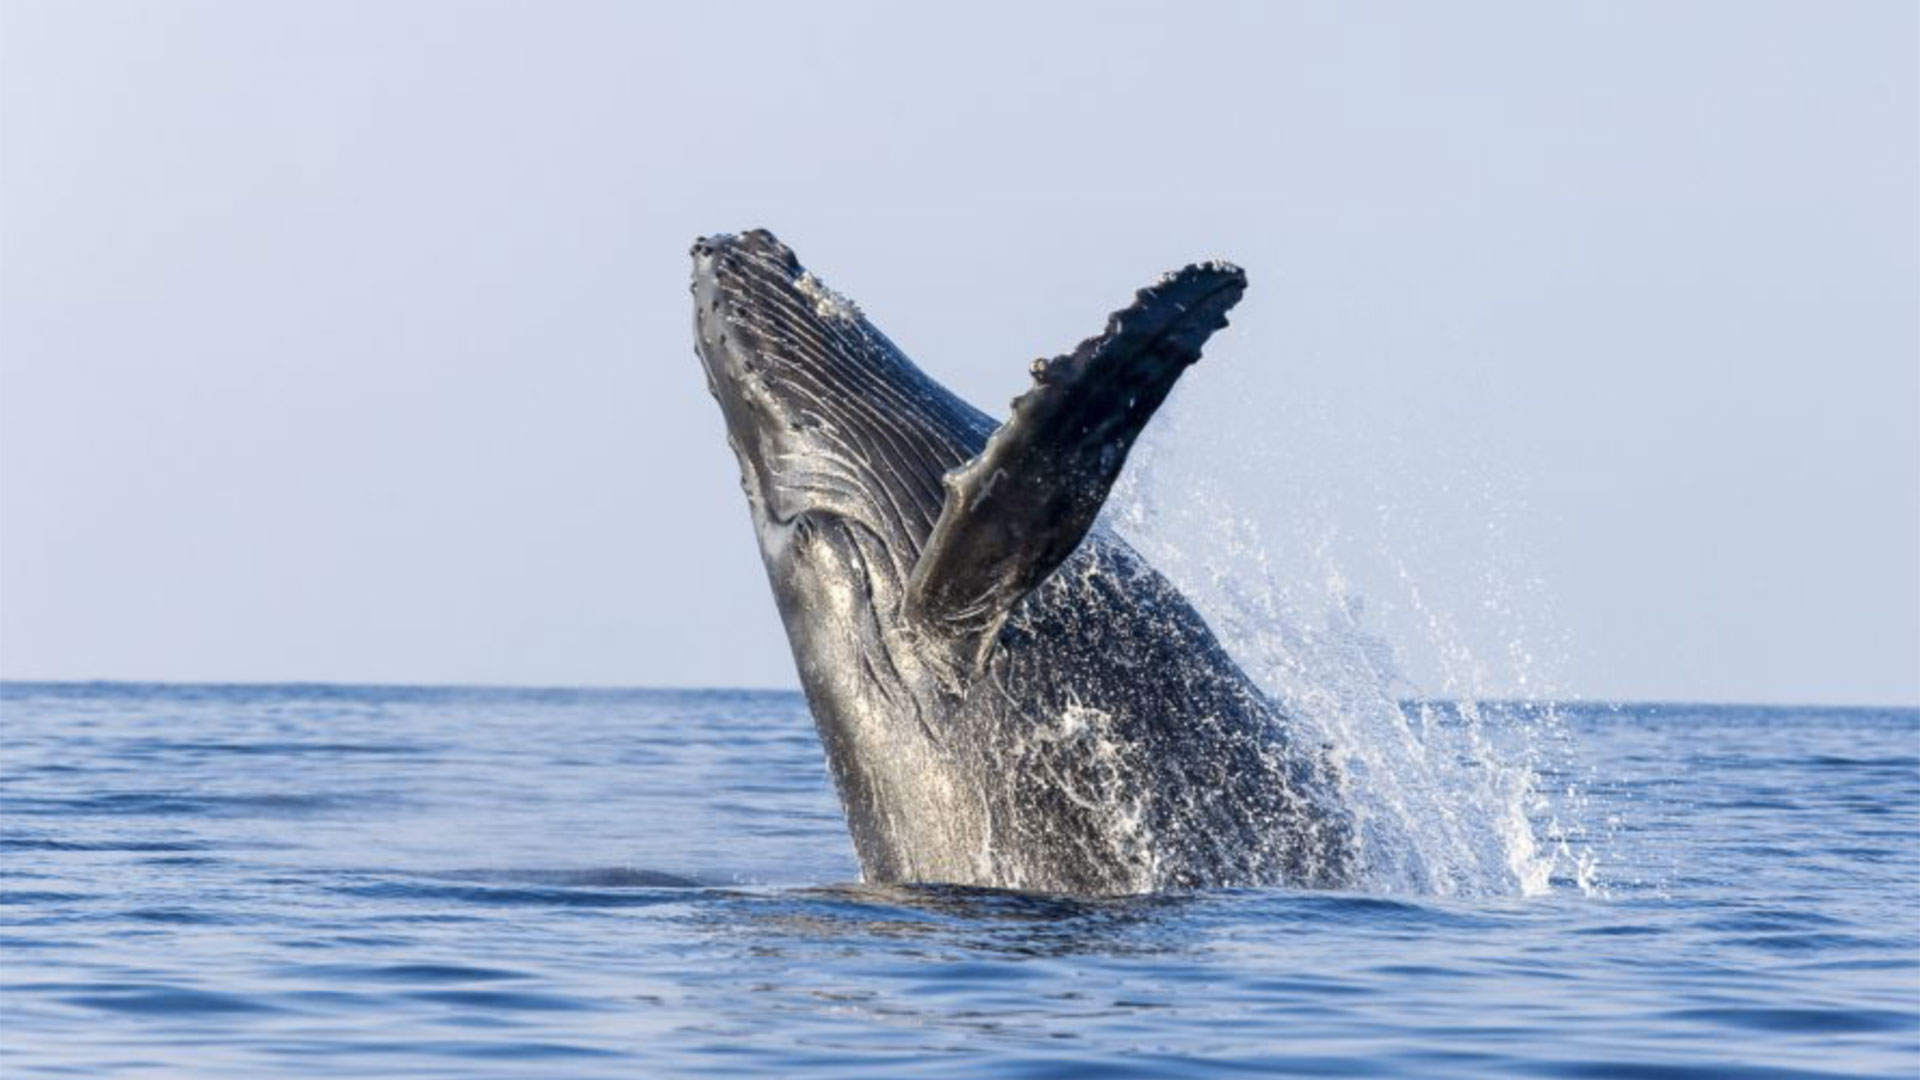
[{"x": 1008, "y": 695}]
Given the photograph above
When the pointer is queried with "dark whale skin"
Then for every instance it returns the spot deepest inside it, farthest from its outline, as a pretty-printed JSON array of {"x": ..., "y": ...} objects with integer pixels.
[{"x": 1008, "y": 695}]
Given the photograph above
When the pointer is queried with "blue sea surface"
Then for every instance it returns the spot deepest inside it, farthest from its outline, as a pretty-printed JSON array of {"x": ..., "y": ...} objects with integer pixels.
[{"x": 259, "y": 881}]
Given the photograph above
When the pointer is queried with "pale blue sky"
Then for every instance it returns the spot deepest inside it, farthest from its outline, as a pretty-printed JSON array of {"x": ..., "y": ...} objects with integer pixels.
[{"x": 350, "y": 341}]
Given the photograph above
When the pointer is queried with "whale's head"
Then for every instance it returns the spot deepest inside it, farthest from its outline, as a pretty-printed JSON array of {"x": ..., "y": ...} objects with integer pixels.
[
  {"x": 842, "y": 445},
  {"x": 831, "y": 423}
]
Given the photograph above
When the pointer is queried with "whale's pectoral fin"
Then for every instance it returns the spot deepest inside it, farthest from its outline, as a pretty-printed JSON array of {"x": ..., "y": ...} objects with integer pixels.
[{"x": 1014, "y": 513}]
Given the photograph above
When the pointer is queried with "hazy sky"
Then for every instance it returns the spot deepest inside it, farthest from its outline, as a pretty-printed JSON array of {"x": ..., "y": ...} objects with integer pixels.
[{"x": 351, "y": 341}]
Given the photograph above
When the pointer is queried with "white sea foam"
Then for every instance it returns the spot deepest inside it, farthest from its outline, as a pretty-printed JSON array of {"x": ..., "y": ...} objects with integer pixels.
[{"x": 1461, "y": 786}]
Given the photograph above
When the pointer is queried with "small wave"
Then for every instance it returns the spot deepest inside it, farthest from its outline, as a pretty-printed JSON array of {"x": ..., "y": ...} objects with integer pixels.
[
  {"x": 1809, "y": 1021},
  {"x": 520, "y": 1051},
  {"x": 1836, "y": 761},
  {"x": 179, "y": 916},
  {"x": 1772, "y": 920},
  {"x": 398, "y": 973},
  {"x": 613, "y": 877},
  {"x": 41, "y": 843},
  {"x": 501, "y": 999},
  {"x": 605, "y": 888},
  {"x": 146, "y": 1000},
  {"x": 32, "y": 897},
  {"x": 181, "y": 804},
  {"x": 1806, "y": 943},
  {"x": 1603, "y": 1069},
  {"x": 188, "y": 746}
]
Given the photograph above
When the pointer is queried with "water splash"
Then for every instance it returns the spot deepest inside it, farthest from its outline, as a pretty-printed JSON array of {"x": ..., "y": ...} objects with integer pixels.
[
  {"x": 1465, "y": 785},
  {"x": 1111, "y": 788}
]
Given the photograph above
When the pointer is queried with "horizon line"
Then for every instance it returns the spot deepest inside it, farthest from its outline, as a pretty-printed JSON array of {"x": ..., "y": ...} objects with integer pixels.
[{"x": 795, "y": 690}]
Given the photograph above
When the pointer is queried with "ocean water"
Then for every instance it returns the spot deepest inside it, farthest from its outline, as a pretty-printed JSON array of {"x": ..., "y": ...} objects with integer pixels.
[{"x": 207, "y": 881}]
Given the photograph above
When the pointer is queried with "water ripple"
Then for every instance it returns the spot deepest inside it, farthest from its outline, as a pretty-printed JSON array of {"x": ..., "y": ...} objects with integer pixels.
[{"x": 342, "y": 882}]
